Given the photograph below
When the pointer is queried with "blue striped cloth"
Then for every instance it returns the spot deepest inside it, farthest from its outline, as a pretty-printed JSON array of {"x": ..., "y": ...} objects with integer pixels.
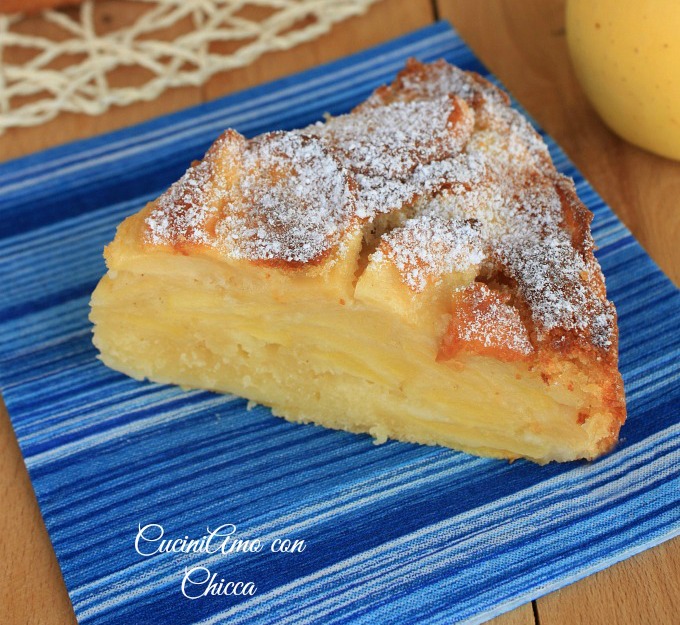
[{"x": 396, "y": 533}]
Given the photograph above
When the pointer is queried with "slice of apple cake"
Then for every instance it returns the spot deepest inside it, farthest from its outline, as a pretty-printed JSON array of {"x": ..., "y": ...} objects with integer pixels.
[{"x": 416, "y": 269}]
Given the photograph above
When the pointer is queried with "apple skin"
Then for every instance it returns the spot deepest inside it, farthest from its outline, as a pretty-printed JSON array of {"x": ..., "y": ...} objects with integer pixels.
[{"x": 626, "y": 54}]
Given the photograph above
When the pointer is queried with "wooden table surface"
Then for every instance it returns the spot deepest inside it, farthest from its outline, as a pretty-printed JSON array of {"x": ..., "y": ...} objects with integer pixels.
[{"x": 524, "y": 44}]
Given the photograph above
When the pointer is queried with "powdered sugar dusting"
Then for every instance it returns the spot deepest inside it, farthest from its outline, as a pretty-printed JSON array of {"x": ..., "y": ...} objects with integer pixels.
[
  {"x": 517, "y": 208},
  {"x": 181, "y": 213},
  {"x": 428, "y": 247},
  {"x": 400, "y": 150},
  {"x": 483, "y": 320},
  {"x": 440, "y": 145},
  {"x": 296, "y": 194},
  {"x": 294, "y": 200}
]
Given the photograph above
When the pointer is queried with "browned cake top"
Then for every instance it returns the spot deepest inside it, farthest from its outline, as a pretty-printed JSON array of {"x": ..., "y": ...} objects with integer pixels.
[{"x": 469, "y": 178}]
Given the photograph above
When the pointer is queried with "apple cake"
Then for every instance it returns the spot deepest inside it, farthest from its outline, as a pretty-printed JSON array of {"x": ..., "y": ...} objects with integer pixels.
[{"x": 416, "y": 269}]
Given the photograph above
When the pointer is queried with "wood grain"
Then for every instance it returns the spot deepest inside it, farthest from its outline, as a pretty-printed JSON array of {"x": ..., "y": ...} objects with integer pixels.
[
  {"x": 32, "y": 588},
  {"x": 643, "y": 589},
  {"x": 383, "y": 21},
  {"x": 527, "y": 50},
  {"x": 14, "y": 6},
  {"x": 394, "y": 17},
  {"x": 524, "y": 44},
  {"x": 524, "y": 615},
  {"x": 109, "y": 15}
]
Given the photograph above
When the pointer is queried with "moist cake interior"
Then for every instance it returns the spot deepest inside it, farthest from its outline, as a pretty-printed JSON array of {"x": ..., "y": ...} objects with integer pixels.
[{"x": 416, "y": 269}]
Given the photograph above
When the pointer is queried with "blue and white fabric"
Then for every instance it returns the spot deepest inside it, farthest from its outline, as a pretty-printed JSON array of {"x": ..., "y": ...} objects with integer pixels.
[{"x": 395, "y": 533}]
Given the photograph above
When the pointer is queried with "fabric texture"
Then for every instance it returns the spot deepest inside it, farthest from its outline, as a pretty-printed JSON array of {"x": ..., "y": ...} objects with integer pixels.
[{"x": 394, "y": 533}]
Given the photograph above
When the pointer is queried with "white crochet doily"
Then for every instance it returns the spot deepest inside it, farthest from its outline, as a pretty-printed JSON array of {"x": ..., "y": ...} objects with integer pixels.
[{"x": 70, "y": 70}]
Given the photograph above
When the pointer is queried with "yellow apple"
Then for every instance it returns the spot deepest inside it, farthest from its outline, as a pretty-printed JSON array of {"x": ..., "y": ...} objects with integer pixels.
[{"x": 627, "y": 57}]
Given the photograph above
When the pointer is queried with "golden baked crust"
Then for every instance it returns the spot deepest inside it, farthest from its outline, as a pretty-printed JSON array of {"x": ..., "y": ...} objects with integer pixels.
[{"x": 434, "y": 202}]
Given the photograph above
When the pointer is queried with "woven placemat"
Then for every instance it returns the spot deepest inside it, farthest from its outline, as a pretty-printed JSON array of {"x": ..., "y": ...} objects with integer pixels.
[{"x": 68, "y": 67}]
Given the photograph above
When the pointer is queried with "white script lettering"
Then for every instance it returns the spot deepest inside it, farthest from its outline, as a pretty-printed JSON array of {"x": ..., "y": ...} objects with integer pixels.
[
  {"x": 199, "y": 582},
  {"x": 151, "y": 540}
]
